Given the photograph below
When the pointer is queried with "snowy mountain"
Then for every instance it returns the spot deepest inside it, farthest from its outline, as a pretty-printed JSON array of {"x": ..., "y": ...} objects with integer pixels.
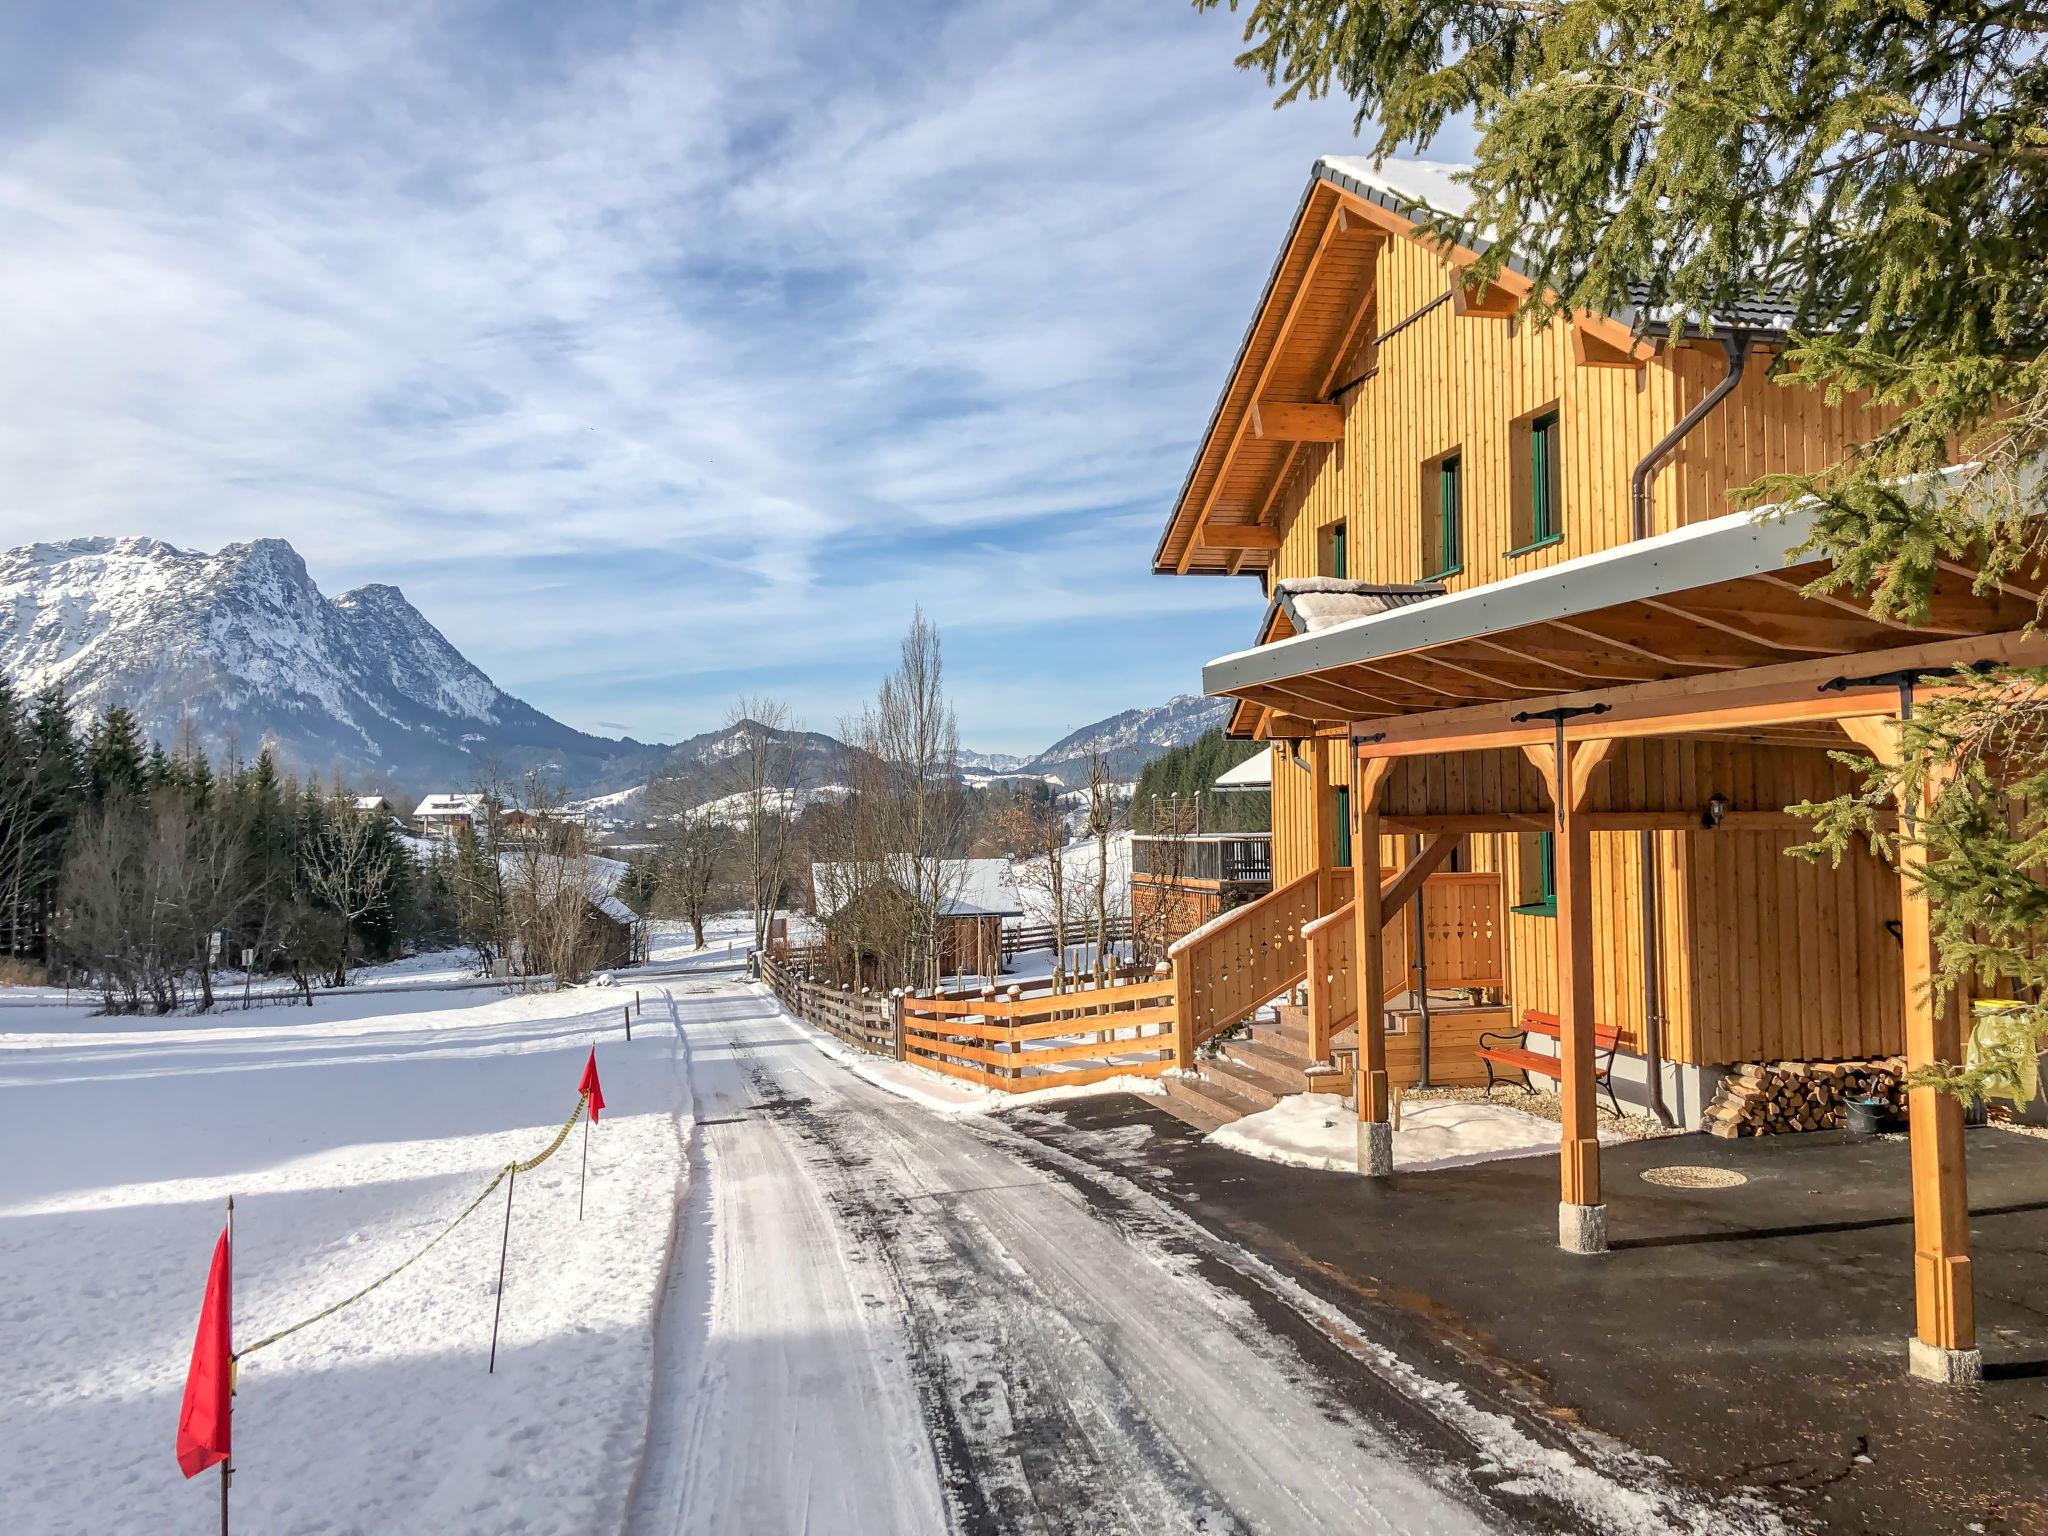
[
  {"x": 992, "y": 764},
  {"x": 244, "y": 646},
  {"x": 1130, "y": 739}
]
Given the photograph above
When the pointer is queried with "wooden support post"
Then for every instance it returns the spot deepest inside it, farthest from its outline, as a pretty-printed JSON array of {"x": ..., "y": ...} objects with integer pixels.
[
  {"x": 1321, "y": 838},
  {"x": 1581, "y": 1218},
  {"x": 1944, "y": 1343},
  {"x": 1375, "y": 1133},
  {"x": 1184, "y": 1012}
]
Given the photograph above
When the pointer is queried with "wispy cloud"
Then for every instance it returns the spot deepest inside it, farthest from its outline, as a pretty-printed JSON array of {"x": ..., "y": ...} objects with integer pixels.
[{"x": 657, "y": 352}]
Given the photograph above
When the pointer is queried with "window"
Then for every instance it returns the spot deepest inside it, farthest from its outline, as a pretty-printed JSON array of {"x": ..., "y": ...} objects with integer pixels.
[
  {"x": 1537, "y": 482},
  {"x": 1343, "y": 837},
  {"x": 1331, "y": 555},
  {"x": 1443, "y": 517},
  {"x": 1536, "y": 874}
]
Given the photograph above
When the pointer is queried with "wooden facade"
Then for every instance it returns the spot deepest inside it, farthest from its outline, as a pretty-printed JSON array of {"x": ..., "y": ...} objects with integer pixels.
[
  {"x": 1605, "y": 704},
  {"x": 1461, "y": 379}
]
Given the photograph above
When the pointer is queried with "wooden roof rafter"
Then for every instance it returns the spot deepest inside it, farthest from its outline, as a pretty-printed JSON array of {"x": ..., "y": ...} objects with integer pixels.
[{"x": 1335, "y": 227}]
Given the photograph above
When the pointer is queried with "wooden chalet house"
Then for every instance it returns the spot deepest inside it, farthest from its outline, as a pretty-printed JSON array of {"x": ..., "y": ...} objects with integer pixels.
[{"x": 1514, "y": 639}]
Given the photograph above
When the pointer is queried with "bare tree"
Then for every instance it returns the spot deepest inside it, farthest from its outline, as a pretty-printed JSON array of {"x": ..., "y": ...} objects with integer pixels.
[
  {"x": 763, "y": 761},
  {"x": 550, "y": 882},
  {"x": 347, "y": 870},
  {"x": 1103, "y": 814},
  {"x": 1159, "y": 916},
  {"x": 1033, "y": 833},
  {"x": 692, "y": 850},
  {"x": 912, "y": 740}
]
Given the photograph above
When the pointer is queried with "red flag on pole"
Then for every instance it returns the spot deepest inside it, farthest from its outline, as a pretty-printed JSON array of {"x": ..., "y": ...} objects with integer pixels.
[
  {"x": 205, "y": 1417},
  {"x": 589, "y": 1084}
]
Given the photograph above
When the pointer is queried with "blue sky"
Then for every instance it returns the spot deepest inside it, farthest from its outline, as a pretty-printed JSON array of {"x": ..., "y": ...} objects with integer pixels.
[{"x": 659, "y": 353}]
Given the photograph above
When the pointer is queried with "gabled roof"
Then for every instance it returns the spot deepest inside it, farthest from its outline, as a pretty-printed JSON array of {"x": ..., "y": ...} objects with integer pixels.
[
  {"x": 1314, "y": 324},
  {"x": 443, "y": 804}
]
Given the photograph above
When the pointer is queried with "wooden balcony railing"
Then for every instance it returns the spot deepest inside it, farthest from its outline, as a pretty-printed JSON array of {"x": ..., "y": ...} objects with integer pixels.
[
  {"x": 1461, "y": 920},
  {"x": 1231, "y": 966}
]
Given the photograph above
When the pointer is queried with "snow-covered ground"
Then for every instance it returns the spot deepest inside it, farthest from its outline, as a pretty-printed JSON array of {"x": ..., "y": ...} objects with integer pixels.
[
  {"x": 812, "y": 1292},
  {"x": 348, "y": 1133},
  {"x": 1317, "y": 1130}
]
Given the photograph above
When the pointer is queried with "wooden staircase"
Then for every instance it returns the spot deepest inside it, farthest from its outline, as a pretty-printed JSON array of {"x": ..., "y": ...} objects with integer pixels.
[{"x": 1254, "y": 1069}]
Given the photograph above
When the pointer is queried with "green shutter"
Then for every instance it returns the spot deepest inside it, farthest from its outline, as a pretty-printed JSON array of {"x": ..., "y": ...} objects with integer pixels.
[
  {"x": 1338, "y": 560},
  {"x": 1449, "y": 512},
  {"x": 1543, "y": 508},
  {"x": 1343, "y": 827}
]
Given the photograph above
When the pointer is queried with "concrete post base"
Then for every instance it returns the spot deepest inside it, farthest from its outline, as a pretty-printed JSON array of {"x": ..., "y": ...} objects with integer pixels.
[
  {"x": 1581, "y": 1228},
  {"x": 1375, "y": 1148},
  {"x": 1951, "y": 1367}
]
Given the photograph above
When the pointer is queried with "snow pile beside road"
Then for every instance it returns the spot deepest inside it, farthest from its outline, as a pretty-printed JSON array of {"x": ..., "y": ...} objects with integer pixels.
[
  {"x": 1316, "y": 1130},
  {"x": 349, "y": 1134}
]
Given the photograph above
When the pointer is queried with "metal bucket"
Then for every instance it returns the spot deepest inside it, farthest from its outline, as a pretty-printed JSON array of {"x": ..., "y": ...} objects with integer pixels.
[{"x": 1867, "y": 1116}]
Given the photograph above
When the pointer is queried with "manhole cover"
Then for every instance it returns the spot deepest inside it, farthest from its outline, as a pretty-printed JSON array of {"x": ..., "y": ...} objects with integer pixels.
[{"x": 1684, "y": 1176}]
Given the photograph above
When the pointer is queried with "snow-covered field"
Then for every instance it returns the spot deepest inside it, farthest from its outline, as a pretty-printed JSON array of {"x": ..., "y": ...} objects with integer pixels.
[
  {"x": 348, "y": 1133},
  {"x": 1316, "y": 1130},
  {"x": 812, "y": 1292}
]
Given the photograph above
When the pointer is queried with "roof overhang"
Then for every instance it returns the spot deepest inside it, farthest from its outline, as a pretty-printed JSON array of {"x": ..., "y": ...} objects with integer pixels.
[
  {"x": 1315, "y": 320},
  {"x": 1713, "y": 597}
]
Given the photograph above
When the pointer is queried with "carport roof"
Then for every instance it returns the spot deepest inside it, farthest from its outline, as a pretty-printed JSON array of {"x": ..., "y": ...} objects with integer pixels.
[{"x": 1715, "y": 596}]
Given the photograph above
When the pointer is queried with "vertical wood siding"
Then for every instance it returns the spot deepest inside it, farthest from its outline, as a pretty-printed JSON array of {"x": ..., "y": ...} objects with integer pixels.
[{"x": 1760, "y": 955}]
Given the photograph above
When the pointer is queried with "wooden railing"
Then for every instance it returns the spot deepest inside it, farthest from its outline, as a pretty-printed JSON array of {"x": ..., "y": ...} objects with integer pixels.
[
  {"x": 861, "y": 1019},
  {"x": 1242, "y": 960},
  {"x": 1461, "y": 919},
  {"x": 1018, "y": 1044}
]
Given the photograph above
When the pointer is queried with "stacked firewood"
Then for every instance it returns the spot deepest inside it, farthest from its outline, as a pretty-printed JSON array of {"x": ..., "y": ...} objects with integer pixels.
[{"x": 1770, "y": 1098}]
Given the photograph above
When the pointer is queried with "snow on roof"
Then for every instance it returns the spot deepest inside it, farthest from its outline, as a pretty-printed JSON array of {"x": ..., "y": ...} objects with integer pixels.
[
  {"x": 1317, "y": 602},
  {"x": 601, "y": 876},
  {"x": 1406, "y": 185},
  {"x": 450, "y": 805},
  {"x": 1255, "y": 772},
  {"x": 974, "y": 887},
  {"x": 371, "y": 802}
]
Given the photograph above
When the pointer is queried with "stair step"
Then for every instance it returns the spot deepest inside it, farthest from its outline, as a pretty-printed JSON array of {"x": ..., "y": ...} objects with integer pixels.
[
  {"x": 1201, "y": 1117},
  {"x": 1285, "y": 1029},
  {"x": 1241, "y": 1080},
  {"x": 1282, "y": 1054},
  {"x": 1208, "y": 1097},
  {"x": 1281, "y": 1077}
]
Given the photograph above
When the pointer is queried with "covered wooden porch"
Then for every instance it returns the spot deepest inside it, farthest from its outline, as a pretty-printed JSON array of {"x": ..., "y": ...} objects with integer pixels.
[{"x": 1681, "y": 685}]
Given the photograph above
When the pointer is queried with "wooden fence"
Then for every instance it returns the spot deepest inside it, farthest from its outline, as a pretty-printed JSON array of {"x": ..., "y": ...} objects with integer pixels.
[
  {"x": 1461, "y": 919},
  {"x": 861, "y": 1019},
  {"x": 1017, "y": 937},
  {"x": 1017, "y": 1043}
]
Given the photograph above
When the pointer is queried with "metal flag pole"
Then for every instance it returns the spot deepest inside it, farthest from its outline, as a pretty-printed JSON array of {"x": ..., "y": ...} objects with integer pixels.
[
  {"x": 584, "y": 1177},
  {"x": 227, "y": 1464},
  {"x": 504, "y": 1245}
]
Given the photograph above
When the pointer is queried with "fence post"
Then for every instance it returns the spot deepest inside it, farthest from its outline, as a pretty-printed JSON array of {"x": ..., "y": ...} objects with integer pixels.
[
  {"x": 896, "y": 1020},
  {"x": 1184, "y": 1011}
]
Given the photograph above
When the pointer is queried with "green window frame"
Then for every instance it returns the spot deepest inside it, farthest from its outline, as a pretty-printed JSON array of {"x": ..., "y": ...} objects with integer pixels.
[
  {"x": 1343, "y": 838},
  {"x": 1546, "y": 856},
  {"x": 1545, "y": 515},
  {"x": 1450, "y": 516}
]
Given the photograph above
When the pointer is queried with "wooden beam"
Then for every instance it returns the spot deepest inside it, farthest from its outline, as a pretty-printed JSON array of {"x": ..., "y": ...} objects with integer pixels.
[
  {"x": 1396, "y": 893},
  {"x": 1599, "y": 341},
  {"x": 1463, "y": 825},
  {"x": 1332, "y": 229},
  {"x": 1299, "y": 421},
  {"x": 1488, "y": 299},
  {"x": 1239, "y": 536}
]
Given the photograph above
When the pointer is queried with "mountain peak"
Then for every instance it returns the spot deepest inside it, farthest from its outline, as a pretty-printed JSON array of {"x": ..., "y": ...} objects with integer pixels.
[{"x": 243, "y": 645}]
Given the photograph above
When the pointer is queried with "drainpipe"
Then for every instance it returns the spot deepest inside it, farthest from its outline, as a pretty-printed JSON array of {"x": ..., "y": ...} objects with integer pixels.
[{"x": 1736, "y": 346}]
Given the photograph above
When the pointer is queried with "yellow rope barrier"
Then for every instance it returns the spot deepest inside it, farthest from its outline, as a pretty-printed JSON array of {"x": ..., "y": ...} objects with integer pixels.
[{"x": 496, "y": 1179}]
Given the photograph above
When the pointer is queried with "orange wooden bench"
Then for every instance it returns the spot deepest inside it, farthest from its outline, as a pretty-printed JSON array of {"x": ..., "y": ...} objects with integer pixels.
[{"x": 1510, "y": 1048}]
